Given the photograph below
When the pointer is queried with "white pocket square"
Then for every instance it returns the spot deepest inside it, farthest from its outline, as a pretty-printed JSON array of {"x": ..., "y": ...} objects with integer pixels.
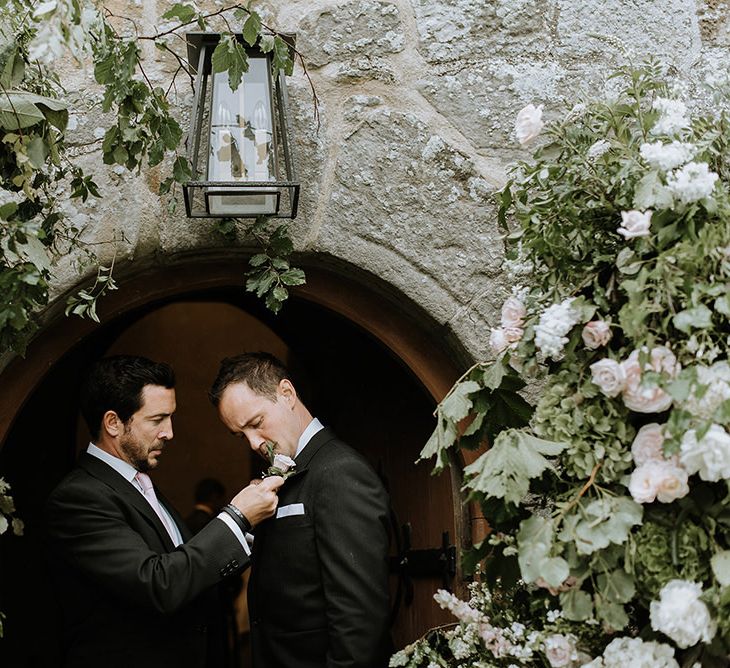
[{"x": 291, "y": 509}]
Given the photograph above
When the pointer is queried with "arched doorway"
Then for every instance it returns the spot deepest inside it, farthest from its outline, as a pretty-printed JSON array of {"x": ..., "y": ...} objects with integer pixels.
[{"x": 377, "y": 374}]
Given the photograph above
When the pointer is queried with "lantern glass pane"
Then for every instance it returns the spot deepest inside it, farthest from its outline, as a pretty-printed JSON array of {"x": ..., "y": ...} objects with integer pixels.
[{"x": 241, "y": 143}]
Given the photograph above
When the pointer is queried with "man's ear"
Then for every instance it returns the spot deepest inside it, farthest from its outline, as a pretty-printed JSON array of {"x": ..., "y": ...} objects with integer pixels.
[
  {"x": 286, "y": 390},
  {"x": 112, "y": 424}
]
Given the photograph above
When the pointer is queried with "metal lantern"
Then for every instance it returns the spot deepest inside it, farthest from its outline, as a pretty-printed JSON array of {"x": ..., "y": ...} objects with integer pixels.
[{"x": 239, "y": 146}]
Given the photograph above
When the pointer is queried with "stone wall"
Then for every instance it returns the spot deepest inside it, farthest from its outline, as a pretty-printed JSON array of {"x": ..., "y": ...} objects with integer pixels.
[{"x": 417, "y": 102}]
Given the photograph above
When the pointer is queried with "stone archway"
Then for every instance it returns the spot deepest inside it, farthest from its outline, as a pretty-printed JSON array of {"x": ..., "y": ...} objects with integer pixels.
[{"x": 391, "y": 324}]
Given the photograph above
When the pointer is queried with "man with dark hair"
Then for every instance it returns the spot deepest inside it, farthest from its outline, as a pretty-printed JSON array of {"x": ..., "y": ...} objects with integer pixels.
[
  {"x": 318, "y": 592},
  {"x": 131, "y": 581}
]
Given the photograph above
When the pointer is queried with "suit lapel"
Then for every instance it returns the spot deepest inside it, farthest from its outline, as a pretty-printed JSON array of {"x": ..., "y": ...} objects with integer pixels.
[
  {"x": 176, "y": 517},
  {"x": 102, "y": 471},
  {"x": 312, "y": 448}
]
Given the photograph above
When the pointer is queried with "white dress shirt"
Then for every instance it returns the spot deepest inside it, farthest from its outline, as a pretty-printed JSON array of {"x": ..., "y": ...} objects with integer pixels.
[{"x": 311, "y": 429}]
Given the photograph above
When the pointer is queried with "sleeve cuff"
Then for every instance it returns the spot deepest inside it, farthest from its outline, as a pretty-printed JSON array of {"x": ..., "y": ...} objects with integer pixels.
[{"x": 231, "y": 524}]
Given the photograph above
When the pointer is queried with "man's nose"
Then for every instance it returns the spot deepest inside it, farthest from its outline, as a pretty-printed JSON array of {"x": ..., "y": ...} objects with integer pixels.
[{"x": 166, "y": 434}]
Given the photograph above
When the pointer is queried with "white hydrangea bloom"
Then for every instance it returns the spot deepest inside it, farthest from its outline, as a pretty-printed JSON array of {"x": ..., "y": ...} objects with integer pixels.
[
  {"x": 681, "y": 615},
  {"x": 710, "y": 456},
  {"x": 3, "y": 524},
  {"x": 692, "y": 182},
  {"x": 667, "y": 156},
  {"x": 599, "y": 148},
  {"x": 636, "y": 653},
  {"x": 672, "y": 116},
  {"x": 554, "y": 325},
  {"x": 715, "y": 381}
]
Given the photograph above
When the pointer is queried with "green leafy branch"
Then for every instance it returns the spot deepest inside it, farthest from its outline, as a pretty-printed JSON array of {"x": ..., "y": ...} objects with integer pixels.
[{"x": 271, "y": 275}]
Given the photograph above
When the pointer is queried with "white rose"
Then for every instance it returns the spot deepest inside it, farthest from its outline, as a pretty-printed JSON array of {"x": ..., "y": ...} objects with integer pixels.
[
  {"x": 609, "y": 375},
  {"x": 560, "y": 650},
  {"x": 710, "y": 456},
  {"x": 647, "y": 445},
  {"x": 642, "y": 484},
  {"x": 671, "y": 482},
  {"x": 498, "y": 341},
  {"x": 283, "y": 463},
  {"x": 681, "y": 615},
  {"x": 663, "y": 360},
  {"x": 635, "y": 224},
  {"x": 596, "y": 333},
  {"x": 513, "y": 313},
  {"x": 662, "y": 480},
  {"x": 528, "y": 124}
]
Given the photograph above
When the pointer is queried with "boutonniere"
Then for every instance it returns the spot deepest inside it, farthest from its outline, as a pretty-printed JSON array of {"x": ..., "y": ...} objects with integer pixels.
[{"x": 278, "y": 464}]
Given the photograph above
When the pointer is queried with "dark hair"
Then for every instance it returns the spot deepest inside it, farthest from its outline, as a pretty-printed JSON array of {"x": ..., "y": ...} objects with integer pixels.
[
  {"x": 209, "y": 489},
  {"x": 116, "y": 384},
  {"x": 262, "y": 372}
]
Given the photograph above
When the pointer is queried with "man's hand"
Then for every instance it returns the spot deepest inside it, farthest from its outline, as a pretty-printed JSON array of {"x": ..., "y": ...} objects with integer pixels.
[{"x": 258, "y": 501}]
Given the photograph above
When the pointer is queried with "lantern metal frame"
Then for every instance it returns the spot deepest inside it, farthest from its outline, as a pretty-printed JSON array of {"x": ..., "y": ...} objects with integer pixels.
[{"x": 200, "y": 50}]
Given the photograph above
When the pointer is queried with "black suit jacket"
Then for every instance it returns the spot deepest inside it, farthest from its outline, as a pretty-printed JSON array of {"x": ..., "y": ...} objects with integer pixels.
[
  {"x": 130, "y": 598},
  {"x": 318, "y": 593}
]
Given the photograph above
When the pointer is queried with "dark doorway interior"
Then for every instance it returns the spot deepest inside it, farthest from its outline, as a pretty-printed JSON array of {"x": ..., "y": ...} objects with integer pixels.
[{"x": 350, "y": 381}]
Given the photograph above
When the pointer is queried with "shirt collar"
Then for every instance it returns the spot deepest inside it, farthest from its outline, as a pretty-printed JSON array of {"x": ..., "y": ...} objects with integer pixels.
[
  {"x": 127, "y": 471},
  {"x": 312, "y": 428}
]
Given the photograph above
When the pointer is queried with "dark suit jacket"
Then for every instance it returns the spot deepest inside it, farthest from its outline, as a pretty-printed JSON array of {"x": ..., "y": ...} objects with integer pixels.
[
  {"x": 318, "y": 593},
  {"x": 130, "y": 598}
]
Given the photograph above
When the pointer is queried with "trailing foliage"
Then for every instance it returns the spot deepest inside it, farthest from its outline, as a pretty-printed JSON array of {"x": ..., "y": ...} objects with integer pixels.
[
  {"x": 35, "y": 167},
  {"x": 609, "y": 501}
]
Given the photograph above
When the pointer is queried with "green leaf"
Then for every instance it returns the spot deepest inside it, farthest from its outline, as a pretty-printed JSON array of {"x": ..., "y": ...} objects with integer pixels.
[
  {"x": 456, "y": 405},
  {"x": 252, "y": 28},
  {"x": 282, "y": 59},
  {"x": 505, "y": 470},
  {"x": 293, "y": 277},
  {"x": 37, "y": 153},
  {"x": 181, "y": 171},
  {"x": 612, "y": 614},
  {"x": 18, "y": 113},
  {"x": 699, "y": 317},
  {"x": 13, "y": 71},
  {"x": 493, "y": 376},
  {"x": 184, "y": 13},
  {"x": 577, "y": 605},
  {"x": 722, "y": 304},
  {"x": 535, "y": 543},
  {"x": 617, "y": 586},
  {"x": 258, "y": 260},
  {"x": 601, "y": 522},
  {"x": 442, "y": 438},
  {"x": 230, "y": 56},
  {"x": 721, "y": 567}
]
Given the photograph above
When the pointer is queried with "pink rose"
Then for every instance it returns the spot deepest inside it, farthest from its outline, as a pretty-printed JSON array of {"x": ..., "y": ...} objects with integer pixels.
[
  {"x": 609, "y": 375},
  {"x": 596, "y": 333},
  {"x": 642, "y": 397},
  {"x": 500, "y": 339},
  {"x": 513, "y": 313},
  {"x": 560, "y": 650},
  {"x": 647, "y": 445}
]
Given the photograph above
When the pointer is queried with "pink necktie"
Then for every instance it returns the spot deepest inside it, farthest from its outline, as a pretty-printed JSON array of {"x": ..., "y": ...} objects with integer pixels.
[{"x": 149, "y": 493}]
